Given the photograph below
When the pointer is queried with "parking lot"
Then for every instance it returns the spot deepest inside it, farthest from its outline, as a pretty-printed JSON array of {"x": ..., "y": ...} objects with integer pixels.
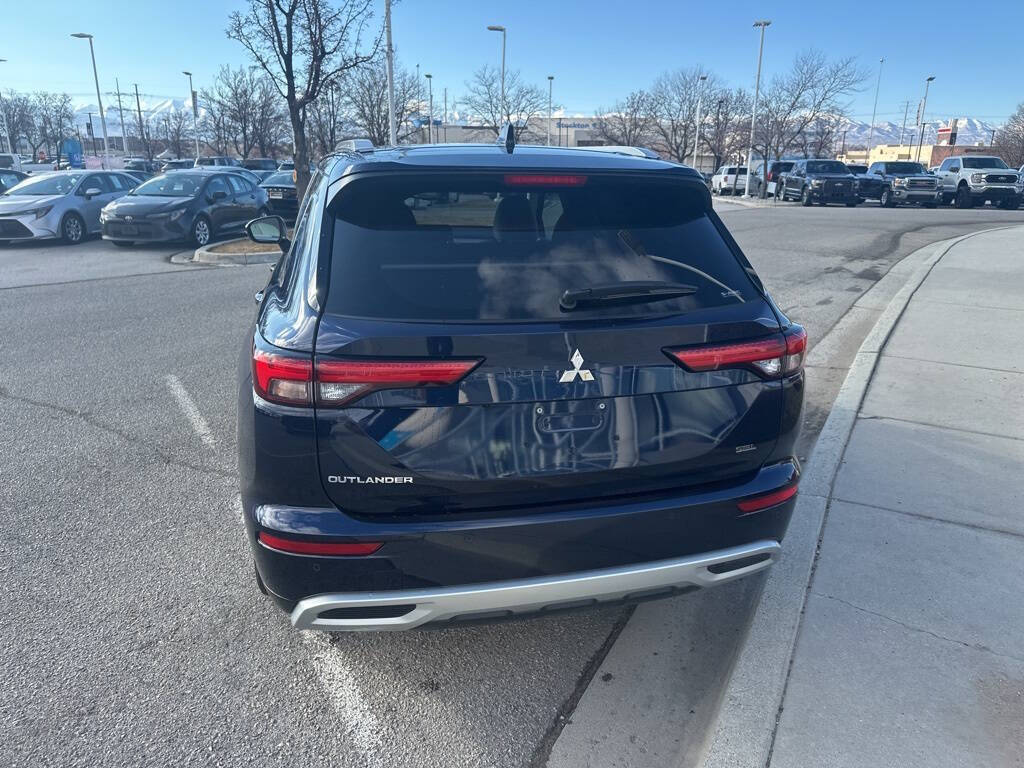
[{"x": 134, "y": 629}]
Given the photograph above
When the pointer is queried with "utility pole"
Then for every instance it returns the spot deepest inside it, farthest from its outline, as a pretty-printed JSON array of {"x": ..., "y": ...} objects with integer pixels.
[
  {"x": 903, "y": 128},
  {"x": 551, "y": 81},
  {"x": 92, "y": 135},
  {"x": 195, "y": 111},
  {"x": 120, "y": 111},
  {"x": 874, "y": 109},
  {"x": 763, "y": 24},
  {"x": 390, "y": 56},
  {"x": 504, "y": 107},
  {"x": 924, "y": 106},
  {"x": 430, "y": 120},
  {"x": 142, "y": 130},
  {"x": 992, "y": 141},
  {"x": 718, "y": 133},
  {"x": 444, "y": 116},
  {"x": 99, "y": 100},
  {"x": 696, "y": 138},
  {"x": 843, "y": 150}
]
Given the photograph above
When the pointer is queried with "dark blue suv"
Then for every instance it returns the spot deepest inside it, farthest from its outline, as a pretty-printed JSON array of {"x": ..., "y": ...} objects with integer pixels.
[{"x": 484, "y": 383}]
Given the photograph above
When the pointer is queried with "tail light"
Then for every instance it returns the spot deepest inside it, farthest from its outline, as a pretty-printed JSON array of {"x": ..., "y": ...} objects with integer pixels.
[
  {"x": 772, "y": 358},
  {"x": 769, "y": 176},
  {"x": 341, "y": 381},
  {"x": 291, "y": 379}
]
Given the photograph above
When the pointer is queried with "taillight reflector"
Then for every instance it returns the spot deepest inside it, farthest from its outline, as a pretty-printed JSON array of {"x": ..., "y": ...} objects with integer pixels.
[
  {"x": 766, "y": 500},
  {"x": 544, "y": 180},
  {"x": 336, "y": 548},
  {"x": 339, "y": 381}
]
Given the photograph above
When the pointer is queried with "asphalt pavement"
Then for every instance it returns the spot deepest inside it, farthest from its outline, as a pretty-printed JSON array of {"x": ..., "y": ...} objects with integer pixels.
[{"x": 133, "y": 631}]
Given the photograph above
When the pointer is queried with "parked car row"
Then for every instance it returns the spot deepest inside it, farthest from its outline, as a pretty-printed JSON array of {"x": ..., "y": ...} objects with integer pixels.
[
  {"x": 965, "y": 181},
  {"x": 194, "y": 205}
]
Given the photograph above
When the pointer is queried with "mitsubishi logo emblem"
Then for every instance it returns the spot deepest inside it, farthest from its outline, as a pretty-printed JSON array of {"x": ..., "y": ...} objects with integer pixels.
[{"x": 583, "y": 373}]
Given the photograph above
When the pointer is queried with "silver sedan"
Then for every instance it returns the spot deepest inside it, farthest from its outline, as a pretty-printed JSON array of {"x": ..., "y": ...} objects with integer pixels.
[{"x": 62, "y": 205}]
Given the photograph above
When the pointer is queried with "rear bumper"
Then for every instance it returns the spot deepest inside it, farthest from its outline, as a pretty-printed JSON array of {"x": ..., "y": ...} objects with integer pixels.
[
  {"x": 471, "y": 565},
  {"x": 506, "y": 599}
]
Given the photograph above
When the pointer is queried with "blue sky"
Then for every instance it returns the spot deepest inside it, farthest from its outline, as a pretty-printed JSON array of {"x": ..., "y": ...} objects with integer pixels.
[{"x": 597, "y": 50}]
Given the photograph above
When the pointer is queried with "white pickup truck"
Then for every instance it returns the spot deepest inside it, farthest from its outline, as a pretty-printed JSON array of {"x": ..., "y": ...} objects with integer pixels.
[
  {"x": 967, "y": 180},
  {"x": 724, "y": 178}
]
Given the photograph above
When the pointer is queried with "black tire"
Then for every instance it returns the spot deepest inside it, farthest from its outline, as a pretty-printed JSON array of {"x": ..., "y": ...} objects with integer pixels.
[
  {"x": 886, "y": 200},
  {"x": 929, "y": 205},
  {"x": 963, "y": 198},
  {"x": 72, "y": 229},
  {"x": 1012, "y": 204},
  {"x": 3, "y": 243},
  {"x": 853, "y": 204},
  {"x": 123, "y": 243},
  {"x": 201, "y": 232},
  {"x": 805, "y": 198}
]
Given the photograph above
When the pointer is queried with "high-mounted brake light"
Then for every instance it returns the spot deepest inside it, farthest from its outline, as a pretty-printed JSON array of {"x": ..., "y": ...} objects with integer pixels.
[
  {"x": 544, "y": 180},
  {"x": 340, "y": 381},
  {"x": 771, "y": 357},
  {"x": 766, "y": 500},
  {"x": 335, "y": 548}
]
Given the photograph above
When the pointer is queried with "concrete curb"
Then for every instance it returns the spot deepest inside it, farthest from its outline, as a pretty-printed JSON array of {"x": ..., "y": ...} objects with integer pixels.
[
  {"x": 746, "y": 724},
  {"x": 206, "y": 255},
  {"x": 768, "y": 202}
]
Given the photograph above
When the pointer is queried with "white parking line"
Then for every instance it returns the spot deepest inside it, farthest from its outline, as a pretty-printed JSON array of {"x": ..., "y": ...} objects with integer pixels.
[
  {"x": 343, "y": 690},
  {"x": 188, "y": 407}
]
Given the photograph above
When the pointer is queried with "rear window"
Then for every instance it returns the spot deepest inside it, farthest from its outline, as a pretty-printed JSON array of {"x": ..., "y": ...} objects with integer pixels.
[{"x": 476, "y": 248}]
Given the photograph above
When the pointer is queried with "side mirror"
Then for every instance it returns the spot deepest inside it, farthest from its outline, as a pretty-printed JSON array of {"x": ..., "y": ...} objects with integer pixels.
[
  {"x": 269, "y": 230},
  {"x": 220, "y": 194},
  {"x": 92, "y": 192},
  {"x": 953, "y": 168}
]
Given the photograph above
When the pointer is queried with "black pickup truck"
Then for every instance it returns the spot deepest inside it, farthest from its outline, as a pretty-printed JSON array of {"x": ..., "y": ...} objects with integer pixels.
[
  {"x": 892, "y": 183},
  {"x": 820, "y": 181}
]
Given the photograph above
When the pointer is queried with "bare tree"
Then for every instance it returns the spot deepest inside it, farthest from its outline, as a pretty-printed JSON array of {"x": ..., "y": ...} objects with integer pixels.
[
  {"x": 630, "y": 122},
  {"x": 270, "y": 124},
  {"x": 674, "y": 100},
  {"x": 728, "y": 123},
  {"x": 366, "y": 99},
  {"x": 523, "y": 102},
  {"x": 215, "y": 128},
  {"x": 176, "y": 124},
  {"x": 1010, "y": 139},
  {"x": 811, "y": 91},
  {"x": 327, "y": 119},
  {"x": 56, "y": 118},
  {"x": 18, "y": 111},
  {"x": 303, "y": 46}
]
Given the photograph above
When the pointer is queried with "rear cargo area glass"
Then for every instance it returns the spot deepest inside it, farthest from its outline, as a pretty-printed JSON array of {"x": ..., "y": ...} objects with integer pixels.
[{"x": 493, "y": 247}]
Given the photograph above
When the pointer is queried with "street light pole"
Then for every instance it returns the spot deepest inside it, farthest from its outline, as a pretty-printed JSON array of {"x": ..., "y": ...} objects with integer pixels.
[
  {"x": 696, "y": 138},
  {"x": 120, "y": 112},
  {"x": 390, "y": 56},
  {"x": 499, "y": 28},
  {"x": 551, "y": 81},
  {"x": 99, "y": 100},
  {"x": 763, "y": 24},
  {"x": 430, "y": 120},
  {"x": 195, "y": 110},
  {"x": 924, "y": 106},
  {"x": 874, "y": 109},
  {"x": 7, "y": 131}
]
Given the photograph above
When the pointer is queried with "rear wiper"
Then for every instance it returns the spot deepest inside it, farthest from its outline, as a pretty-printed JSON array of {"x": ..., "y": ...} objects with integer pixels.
[{"x": 626, "y": 292}]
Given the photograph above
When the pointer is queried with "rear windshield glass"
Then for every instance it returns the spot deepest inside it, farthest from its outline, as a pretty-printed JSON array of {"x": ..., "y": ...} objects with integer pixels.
[
  {"x": 904, "y": 168},
  {"x": 493, "y": 248},
  {"x": 826, "y": 166},
  {"x": 983, "y": 162}
]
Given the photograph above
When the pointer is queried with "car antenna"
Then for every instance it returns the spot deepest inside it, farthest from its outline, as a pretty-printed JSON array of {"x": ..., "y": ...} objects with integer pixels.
[{"x": 508, "y": 137}]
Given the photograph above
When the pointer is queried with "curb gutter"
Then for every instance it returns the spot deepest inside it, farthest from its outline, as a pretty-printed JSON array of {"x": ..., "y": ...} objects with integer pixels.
[
  {"x": 206, "y": 255},
  {"x": 746, "y": 724}
]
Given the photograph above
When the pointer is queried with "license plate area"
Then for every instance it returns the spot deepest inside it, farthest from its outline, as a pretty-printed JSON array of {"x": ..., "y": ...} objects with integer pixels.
[{"x": 581, "y": 416}]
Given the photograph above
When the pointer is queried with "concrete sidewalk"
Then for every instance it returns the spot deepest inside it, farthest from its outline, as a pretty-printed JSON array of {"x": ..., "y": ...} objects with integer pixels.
[{"x": 911, "y": 649}]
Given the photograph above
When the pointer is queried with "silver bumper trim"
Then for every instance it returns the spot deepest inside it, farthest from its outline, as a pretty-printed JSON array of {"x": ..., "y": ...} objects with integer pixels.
[{"x": 530, "y": 595}]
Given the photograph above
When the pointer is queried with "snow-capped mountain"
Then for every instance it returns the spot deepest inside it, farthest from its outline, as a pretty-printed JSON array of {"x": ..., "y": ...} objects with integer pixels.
[
  {"x": 153, "y": 107},
  {"x": 969, "y": 131}
]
